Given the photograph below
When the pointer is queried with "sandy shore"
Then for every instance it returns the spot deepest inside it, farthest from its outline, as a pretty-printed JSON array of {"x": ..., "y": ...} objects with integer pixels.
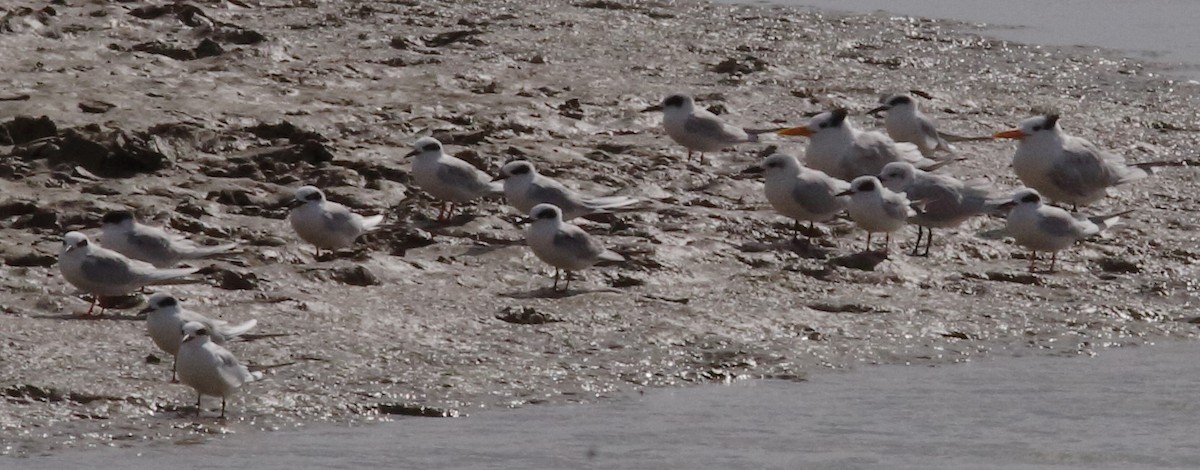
[{"x": 714, "y": 291}]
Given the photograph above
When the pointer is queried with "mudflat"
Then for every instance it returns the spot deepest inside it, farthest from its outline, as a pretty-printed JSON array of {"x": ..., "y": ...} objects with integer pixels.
[{"x": 205, "y": 116}]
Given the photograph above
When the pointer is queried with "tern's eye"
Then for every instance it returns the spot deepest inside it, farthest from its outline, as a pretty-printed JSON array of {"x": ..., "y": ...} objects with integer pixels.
[
  {"x": 866, "y": 186},
  {"x": 824, "y": 125},
  {"x": 521, "y": 170},
  {"x": 1037, "y": 128},
  {"x": 431, "y": 147},
  {"x": 1030, "y": 198}
]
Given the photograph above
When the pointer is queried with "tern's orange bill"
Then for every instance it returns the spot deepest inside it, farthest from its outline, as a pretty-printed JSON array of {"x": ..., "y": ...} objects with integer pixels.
[
  {"x": 802, "y": 131},
  {"x": 1009, "y": 134}
]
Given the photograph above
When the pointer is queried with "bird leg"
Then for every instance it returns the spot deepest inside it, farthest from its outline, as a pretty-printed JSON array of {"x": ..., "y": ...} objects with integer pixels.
[
  {"x": 175, "y": 362},
  {"x": 917, "y": 247},
  {"x": 568, "y": 286},
  {"x": 928, "y": 241},
  {"x": 555, "y": 288},
  {"x": 93, "y": 306},
  {"x": 222, "y": 406},
  {"x": 1053, "y": 258},
  {"x": 442, "y": 211},
  {"x": 1032, "y": 260},
  {"x": 689, "y": 158},
  {"x": 868, "y": 241},
  {"x": 197, "y": 404},
  {"x": 887, "y": 242}
]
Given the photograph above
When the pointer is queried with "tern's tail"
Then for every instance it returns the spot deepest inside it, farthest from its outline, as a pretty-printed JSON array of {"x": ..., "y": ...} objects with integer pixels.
[
  {"x": 612, "y": 202},
  {"x": 1106, "y": 222},
  {"x": 611, "y": 256},
  {"x": 159, "y": 276},
  {"x": 1149, "y": 167},
  {"x": 370, "y": 223},
  {"x": 231, "y": 332},
  {"x": 752, "y": 134},
  {"x": 206, "y": 251}
]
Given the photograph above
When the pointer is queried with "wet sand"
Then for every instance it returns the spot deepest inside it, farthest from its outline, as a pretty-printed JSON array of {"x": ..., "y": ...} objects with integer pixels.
[{"x": 715, "y": 290}]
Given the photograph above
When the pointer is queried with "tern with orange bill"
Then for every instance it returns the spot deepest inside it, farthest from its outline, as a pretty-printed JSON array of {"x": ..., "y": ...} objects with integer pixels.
[{"x": 840, "y": 150}]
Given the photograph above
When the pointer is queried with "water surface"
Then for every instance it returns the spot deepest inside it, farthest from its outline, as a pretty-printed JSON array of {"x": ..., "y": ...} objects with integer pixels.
[{"x": 1134, "y": 408}]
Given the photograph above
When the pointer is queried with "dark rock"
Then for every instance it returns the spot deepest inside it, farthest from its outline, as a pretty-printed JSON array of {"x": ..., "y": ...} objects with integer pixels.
[
  {"x": 525, "y": 316},
  {"x": 1118, "y": 265},
  {"x": 152, "y": 359},
  {"x": 76, "y": 149},
  {"x": 241, "y": 37},
  {"x": 96, "y": 106},
  {"x": 356, "y": 276},
  {"x": 1019, "y": 278},
  {"x": 24, "y": 129},
  {"x": 17, "y": 207},
  {"x": 163, "y": 49},
  {"x": 606, "y": 5},
  {"x": 572, "y": 108},
  {"x": 40, "y": 219},
  {"x": 451, "y": 37},
  {"x": 623, "y": 281},
  {"x": 844, "y": 308},
  {"x": 229, "y": 279},
  {"x": 30, "y": 258},
  {"x": 865, "y": 261},
  {"x": 123, "y": 302},
  {"x": 208, "y": 48},
  {"x": 402, "y": 239},
  {"x": 744, "y": 66},
  {"x": 415, "y": 410}
]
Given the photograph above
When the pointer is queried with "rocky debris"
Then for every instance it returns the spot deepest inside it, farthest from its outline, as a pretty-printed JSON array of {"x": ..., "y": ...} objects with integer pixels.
[
  {"x": 206, "y": 48},
  {"x": 405, "y": 409},
  {"x": 525, "y": 316},
  {"x": 193, "y": 16},
  {"x": 114, "y": 153},
  {"x": 844, "y": 308},
  {"x": 743, "y": 66},
  {"x": 1017, "y": 278},
  {"x": 124, "y": 302},
  {"x": 284, "y": 130},
  {"x": 450, "y": 37},
  {"x": 15, "y": 207},
  {"x": 863, "y": 261},
  {"x": 26, "y": 393},
  {"x": 96, "y": 106},
  {"x": 356, "y": 275},
  {"x": 230, "y": 279},
  {"x": 40, "y": 218},
  {"x": 1119, "y": 265},
  {"x": 623, "y": 281},
  {"x": 25, "y": 129},
  {"x": 403, "y": 238},
  {"x": 30, "y": 258},
  {"x": 572, "y": 108}
]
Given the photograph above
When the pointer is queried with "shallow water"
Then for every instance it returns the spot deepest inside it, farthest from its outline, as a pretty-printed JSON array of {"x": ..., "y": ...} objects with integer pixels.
[
  {"x": 1132, "y": 408},
  {"x": 1162, "y": 30}
]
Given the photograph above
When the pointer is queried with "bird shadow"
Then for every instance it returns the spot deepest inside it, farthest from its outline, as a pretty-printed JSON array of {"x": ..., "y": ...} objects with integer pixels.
[
  {"x": 432, "y": 225},
  {"x": 551, "y": 293}
]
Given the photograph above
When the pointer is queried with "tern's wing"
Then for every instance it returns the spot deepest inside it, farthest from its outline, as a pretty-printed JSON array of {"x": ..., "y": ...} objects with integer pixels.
[
  {"x": 108, "y": 268},
  {"x": 929, "y": 133},
  {"x": 897, "y": 206},
  {"x": 577, "y": 243},
  {"x": 339, "y": 219},
  {"x": 544, "y": 190},
  {"x": 817, "y": 196},
  {"x": 1062, "y": 224},
  {"x": 458, "y": 173},
  {"x": 153, "y": 243},
  {"x": 1084, "y": 168},
  {"x": 232, "y": 371},
  {"x": 711, "y": 126}
]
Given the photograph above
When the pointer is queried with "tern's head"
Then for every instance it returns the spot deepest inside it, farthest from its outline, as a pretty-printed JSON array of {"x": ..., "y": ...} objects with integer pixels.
[
  {"x": 74, "y": 241},
  {"x": 897, "y": 103},
  {"x": 309, "y": 194},
  {"x": 543, "y": 212},
  {"x": 426, "y": 147},
  {"x": 678, "y": 102},
  {"x": 195, "y": 330},
  {"x": 863, "y": 185},
  {"x": 827, "y": 122},
  {"x": 896, "y": 175},
  {"x": 117, "y": 218},
  {"x": 517, "y": 170},
  {"x": 1046, "y": 125},
  {"x": 779, "y": 163},
  {"x": 160, "y": 301}
]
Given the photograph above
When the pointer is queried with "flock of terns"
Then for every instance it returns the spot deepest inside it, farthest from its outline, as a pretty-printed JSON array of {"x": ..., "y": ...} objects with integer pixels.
[{"x": 884, "y": 182}]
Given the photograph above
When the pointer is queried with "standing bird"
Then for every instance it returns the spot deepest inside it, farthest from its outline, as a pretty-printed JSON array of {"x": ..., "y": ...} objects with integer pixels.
[
  {"x": 877, "y": 209},
  {"x": 524, "y": 188},
  {"x": 1041, "y": 227},
  {"x": 800, "y": 193},
  {"x": 906, "y": 123},
  {"x": 563, "y": 245},
  {"x": 122, "y": 233},
  {"x": 327, "y": 224},
  {"x": 945, "y": 202},
  {"x": 699, "y": 130},
  {"x": 103, "y": 272},
  {"x": 165, "y": 320},
  {"x": 843, "y": 152},
  {"x": 1065, "y": 168},
  {"x": 209, "y": 368},
  {"x": 448, "y": 178}
]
